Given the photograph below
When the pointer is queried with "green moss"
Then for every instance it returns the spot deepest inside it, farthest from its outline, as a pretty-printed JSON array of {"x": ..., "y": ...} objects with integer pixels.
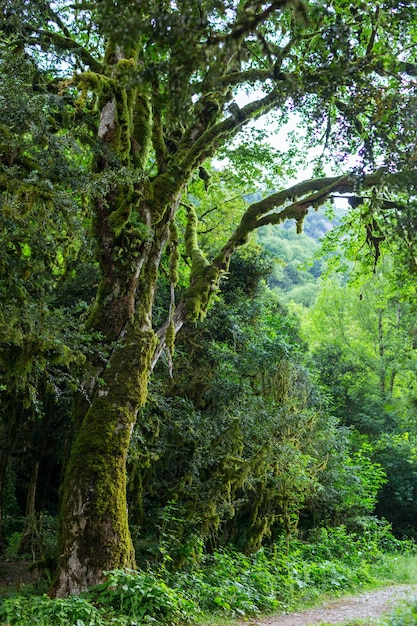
[
  {"x": 142, "y": 131},
  {"x": 119, "y": 218},
  {"x": 204, "y": 278},
  {"x": 164, "y": 188},
  {"x": 124, "y": 68},
  {"x": 125, "y": 100},
  {"x": 94, "y": 512},
  {"x": 170, "y": 338},
  {"x": 174, "y": 256},
  {"x": 120, "y": 88},
  {"x": 99, "y": 84},
  {"x": 200, "y": 292}
]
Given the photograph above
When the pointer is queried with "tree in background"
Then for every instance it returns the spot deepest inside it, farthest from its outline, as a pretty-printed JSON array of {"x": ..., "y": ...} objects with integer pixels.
[
  {"x": 362, "y": 337},
  {"x": 154, "y": 89},
  {"x": 230, "y": 448},
  {"x": 42, "y": 343}
]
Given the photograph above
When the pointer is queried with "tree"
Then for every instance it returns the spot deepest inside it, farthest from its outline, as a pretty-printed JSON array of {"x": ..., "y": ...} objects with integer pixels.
[
  {"x": 362, "y": 337},
  {"x": 233, "y": 444},
  {"x": 42, "y": 234},
  {"x": 154, "y": 87}
]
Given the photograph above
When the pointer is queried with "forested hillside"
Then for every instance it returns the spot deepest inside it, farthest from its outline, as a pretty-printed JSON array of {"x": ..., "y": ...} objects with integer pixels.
[
  {"x": 178, "y": 377},
  {"x": 358, "y": 321}
]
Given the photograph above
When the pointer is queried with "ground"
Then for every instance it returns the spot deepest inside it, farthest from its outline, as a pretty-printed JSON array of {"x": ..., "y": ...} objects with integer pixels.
[
  {"x": 15, "y": 574},
  {"x": 367, "y": 606}
]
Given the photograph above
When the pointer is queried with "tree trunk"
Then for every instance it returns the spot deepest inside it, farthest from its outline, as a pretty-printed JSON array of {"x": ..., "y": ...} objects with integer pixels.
[
  {"x": 27, "y": 536},
  {"x": 11, "y": 433},
  {"x": 94, "y": 532}
]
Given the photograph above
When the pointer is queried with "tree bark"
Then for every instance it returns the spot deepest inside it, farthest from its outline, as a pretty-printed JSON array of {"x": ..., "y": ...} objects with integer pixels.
[
  {"x": 94, "y": 531},
  {"x": 27, "y": 537}
]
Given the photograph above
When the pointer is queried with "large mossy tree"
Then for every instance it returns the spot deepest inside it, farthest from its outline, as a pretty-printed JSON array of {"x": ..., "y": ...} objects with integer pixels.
[{"x": 153, "y": 86}]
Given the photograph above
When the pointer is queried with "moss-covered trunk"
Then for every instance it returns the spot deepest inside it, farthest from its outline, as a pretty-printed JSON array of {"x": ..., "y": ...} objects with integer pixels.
[{"x": 94, "y": 533}]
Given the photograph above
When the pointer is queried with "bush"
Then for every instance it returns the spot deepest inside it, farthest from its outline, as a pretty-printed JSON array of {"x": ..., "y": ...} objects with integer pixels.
[
  {"x": 42, "y": 611},
  {"x": 143, "y": 596}
]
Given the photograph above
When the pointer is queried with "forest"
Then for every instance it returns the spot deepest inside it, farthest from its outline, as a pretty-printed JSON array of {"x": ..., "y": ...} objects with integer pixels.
[{"x": 208, "y": 331}]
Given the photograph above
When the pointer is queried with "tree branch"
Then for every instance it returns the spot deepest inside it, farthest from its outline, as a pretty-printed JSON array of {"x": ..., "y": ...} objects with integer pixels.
[
  {"x": 67, "y": 43},
  {"x": 205, "y": 144},
  {"x": 206, "y": 276}
]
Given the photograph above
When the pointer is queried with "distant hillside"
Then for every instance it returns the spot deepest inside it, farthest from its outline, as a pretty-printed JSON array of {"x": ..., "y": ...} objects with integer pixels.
[{"x": 297, "y": 268}]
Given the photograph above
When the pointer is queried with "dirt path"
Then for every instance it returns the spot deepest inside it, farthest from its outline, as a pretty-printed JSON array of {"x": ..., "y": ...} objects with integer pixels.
[{"x": 367, "y": 606}]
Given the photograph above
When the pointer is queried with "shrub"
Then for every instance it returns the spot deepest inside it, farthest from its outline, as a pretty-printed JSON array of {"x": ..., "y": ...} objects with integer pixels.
[
  {"x": 42, "y": 611},
  {"x": 405, "y": 614},
  {"x": 225, "y": 583},
  {"x": 143, "y": 596}
]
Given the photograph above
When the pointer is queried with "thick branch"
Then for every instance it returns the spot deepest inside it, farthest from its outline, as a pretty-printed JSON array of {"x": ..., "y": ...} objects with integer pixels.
[
  {"x": 206, "y": 277},
  {"x": 316, "y": 190},
  {"x": 255, "y": 75},
  {"x": 205, "y": 145}
]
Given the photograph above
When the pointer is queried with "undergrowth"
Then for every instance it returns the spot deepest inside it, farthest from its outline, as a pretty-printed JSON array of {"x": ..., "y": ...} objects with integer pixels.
[
  {"x": 405, "y": 614},
  {"x": 226, "y": 584}
]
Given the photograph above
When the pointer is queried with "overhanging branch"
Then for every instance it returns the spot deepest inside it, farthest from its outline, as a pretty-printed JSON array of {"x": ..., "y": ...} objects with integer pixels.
[{"x": 292, "y": 203}]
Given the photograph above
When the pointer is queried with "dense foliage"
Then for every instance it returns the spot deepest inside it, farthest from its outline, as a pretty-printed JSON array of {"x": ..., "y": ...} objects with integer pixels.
[
  {"x": 225, "y": 584},
  {"x": 119, "y": 230}
]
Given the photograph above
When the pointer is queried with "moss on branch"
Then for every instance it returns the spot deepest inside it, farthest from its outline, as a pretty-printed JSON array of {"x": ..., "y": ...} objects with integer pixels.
[
  {"x": 204, "y": 277},
  {"x": 125, "y": 100},
  {"x": 312, "y": 193},
  {"x": 100, "y": 85},
  {"x": 142, "y": 131},
  {"x": 116, "y": 88},
  {"x": 315, "y": 191}
]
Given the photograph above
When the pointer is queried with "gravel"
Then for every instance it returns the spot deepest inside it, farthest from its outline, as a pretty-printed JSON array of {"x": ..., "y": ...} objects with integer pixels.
[{"x": 367, "y": 606}]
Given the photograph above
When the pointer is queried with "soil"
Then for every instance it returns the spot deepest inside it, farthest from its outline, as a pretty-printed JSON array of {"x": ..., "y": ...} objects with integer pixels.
[
  {"x": 367, "y": 607},
  {"x": 15, "y": 574}
]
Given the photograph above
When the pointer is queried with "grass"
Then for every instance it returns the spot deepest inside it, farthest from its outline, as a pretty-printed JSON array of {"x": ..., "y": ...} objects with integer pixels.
[{"x": 398, "y": 568}]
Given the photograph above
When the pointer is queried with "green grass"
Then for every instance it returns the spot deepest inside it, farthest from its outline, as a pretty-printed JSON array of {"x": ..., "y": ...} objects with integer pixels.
[{"x": 398, "y": 568}]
